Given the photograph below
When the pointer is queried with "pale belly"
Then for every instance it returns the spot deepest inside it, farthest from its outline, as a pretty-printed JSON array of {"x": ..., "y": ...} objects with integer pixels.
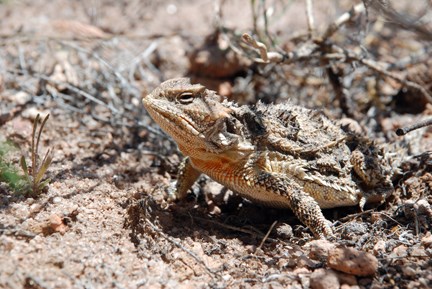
[{"x": 235, "y": 177}]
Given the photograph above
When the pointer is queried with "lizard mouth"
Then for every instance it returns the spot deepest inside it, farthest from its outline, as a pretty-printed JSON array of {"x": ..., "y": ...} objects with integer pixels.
[{"x": 171, "y": 119}]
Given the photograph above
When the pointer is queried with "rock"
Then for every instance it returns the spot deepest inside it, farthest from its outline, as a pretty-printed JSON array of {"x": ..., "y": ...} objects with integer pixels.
[
  {"x": 170, "y": 56},
  {"x": 347, "y": 279},
  {"x": 285, "y": 231},
  {"x": 380, "y": 247},
  {"x": 22, "y": 97},
  {"x": 214, "y": 59},
  {"x": 225, "y": 88},
  {"x": 324, "y": 279},
  {"x": 351, "y": 126},
  {"x": 354, "y": 229},
  {"x": 20, "y": 211},
  {"x": 7, "y": 243},
  {"x": 319, "y": 249},
  {"x": 413, "y": 209},
  {"x": 409, "y": 271},
  {"x": 399, "y": 251},
  {"x": 346, "y": 286},
  {"x": 32, "y": 112},
  {"x": 352, "y": 261},
  {"x": 426, "y": 241},
  {"x": 56, "y": 224},
  {"x": 419, "y": 252},
  {"x": 423, "y": 207},
  {"x": 376, "y": 217},
  {"x": 75, "y": 29}
]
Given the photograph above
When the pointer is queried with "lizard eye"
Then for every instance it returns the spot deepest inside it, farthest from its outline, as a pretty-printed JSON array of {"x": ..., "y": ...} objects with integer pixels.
[{"x": 185, "y": 97}]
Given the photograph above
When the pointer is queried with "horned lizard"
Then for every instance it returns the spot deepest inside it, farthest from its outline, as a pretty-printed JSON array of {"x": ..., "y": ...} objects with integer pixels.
[{"x": 280, "y": 155}]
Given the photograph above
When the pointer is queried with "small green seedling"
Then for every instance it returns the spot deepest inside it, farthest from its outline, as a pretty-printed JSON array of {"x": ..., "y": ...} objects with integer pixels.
[
  {"x": 9, "y": 173},
  {"x": 35, "y": 175}
]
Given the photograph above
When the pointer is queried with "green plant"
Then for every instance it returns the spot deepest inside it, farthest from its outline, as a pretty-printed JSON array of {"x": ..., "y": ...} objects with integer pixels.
[
  {"x": 9, "y": 173},
  {"x": 34, "y": 176}
]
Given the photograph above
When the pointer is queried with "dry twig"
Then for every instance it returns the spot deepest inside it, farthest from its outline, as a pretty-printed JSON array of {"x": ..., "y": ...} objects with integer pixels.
[
  {"x": 209, "y": 271},
  {"x": 321, "y": 48},
  {"x": 266, "y": 235},
  {"x": 407, "y": 129},
  {"x": 408, "y": 22},
  {"x": 254, "y": 233},
  {"x": 310, "y": 17},
  {"x": 344, "y": 18}
]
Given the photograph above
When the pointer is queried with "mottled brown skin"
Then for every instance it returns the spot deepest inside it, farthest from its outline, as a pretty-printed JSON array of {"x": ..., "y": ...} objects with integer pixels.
[{"x": 279, "y": 155}]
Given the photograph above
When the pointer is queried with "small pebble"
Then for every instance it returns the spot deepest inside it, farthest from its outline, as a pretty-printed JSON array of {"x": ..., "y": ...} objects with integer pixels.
[
  {"x": 352, "y": 261},
  {"x": 409, "y": 272},
  {"x": 324, "y": 279},
  {"x": 56, "y": 223},
  {"x": 35, "y": 208},
  {"x": 319, "y": 249},
  {"x": 380, "y": 247},
  {"x": 22, "y": 97},
  {"x": 426, "y": 241}
]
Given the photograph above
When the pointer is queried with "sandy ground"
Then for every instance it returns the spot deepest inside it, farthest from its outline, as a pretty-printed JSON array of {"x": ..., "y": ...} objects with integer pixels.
[{"x": 104, "y": 220}]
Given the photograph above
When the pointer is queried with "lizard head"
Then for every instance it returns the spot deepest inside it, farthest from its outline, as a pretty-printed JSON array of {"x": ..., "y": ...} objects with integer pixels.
[{"x": 188, "y": 112}]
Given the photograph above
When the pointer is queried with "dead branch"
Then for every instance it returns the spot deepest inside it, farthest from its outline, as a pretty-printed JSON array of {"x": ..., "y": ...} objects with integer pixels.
[
  {"x": 407, "y": 129},
  {"x": 381, "y": 67},
  {"x": 338, "y": 54},
  {"x": 78, "y": 91},
  {"x": 344, "y": 18},
  {"x": 340, "y": 92},
  {"x": 267, "y": 235},
  {"x": 255, "y": 233},
  {"x": 261, "y": 47},
  {"x": 310, "y": 17},
  {"x": 335, "y": 53},
  {"x": 277, "y": 57},
  {"x": 407, "y": 22},
  {"x": 353, "y": 216},
  {"x": 209, "y": 271}
]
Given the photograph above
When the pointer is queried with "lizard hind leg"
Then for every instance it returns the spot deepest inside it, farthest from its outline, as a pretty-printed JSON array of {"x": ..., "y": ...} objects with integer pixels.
[
  {"x": 301, "y": 203},
  {"x": 374, "y": 172}
]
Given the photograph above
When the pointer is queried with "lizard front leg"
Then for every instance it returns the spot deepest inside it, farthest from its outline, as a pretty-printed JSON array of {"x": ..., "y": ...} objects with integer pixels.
[{"x": 186, "y": 177}]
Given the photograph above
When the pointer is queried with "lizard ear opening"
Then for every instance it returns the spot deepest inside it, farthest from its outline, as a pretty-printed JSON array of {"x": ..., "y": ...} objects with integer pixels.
[{"x": 185, "y": 97}]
